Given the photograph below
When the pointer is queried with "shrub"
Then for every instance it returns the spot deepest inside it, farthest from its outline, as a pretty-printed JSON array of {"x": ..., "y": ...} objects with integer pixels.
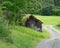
[
  {"x": 56, "y": 12},
  {"x": 46, "y": 11},
  {"x": 4, "y": 31}
]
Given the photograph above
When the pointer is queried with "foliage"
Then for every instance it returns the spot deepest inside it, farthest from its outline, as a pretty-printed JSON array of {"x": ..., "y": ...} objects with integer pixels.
[
  {"x": 8, "y": 5},
  {"x": 0, "y": 11},
  {"x": 56, "y": 12},
  {"x": 33, "y": 6},
  {"x": 46, "y": 11},
  {"x": 4, "y": 31},
  {"x": 57, "y": 2},
  {"x": 43, "y": 7},
  {"x": 12, "y": 10}
]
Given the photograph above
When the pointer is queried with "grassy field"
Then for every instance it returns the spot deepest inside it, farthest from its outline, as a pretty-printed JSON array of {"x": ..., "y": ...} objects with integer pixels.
[
  {"x": 49, "y": 20},
  {"x": 24, "y": 38},
  {"x": 57, "y": 27}
]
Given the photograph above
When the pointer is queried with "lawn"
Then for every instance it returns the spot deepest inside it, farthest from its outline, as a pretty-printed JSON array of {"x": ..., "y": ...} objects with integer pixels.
[
  {"x": 49, "y": 20},
  {"x": 24, "y": 37}
]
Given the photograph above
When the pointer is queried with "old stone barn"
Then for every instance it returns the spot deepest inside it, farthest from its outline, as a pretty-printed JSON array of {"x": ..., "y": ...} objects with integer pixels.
[{"x": 33, "y": 22}]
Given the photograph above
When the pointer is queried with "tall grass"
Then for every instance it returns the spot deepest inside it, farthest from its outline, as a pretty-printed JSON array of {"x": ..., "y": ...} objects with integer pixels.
[
  {"x": 4, "y": 31},
  {"x": 27, "y": 38}
]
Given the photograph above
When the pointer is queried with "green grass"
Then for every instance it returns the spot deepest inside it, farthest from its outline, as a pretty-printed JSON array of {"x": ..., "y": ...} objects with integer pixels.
[
  {"x": 6, "y": 45},
  {"x": 27, "y": 38},
  {"x": 57, "y": 27},
  {"x": 49, "y": 20},
  {"x": 24, "y": 38}
]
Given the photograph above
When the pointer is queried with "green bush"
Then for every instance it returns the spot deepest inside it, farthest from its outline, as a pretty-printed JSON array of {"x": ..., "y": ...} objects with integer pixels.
[
  {"x": 56, "y": 12},
  {"x": 4, "y": 31},
  {"x": 46, "y": 11},
  {"x": 3, "y": 28}
]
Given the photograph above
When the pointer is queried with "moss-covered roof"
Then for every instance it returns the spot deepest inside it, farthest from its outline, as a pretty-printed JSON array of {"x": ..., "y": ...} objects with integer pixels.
[{"x": 26, "y": 17}]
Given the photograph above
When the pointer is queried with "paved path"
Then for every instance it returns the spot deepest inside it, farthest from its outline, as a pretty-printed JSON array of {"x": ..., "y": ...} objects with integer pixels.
[{"x": 54, "y": 41}]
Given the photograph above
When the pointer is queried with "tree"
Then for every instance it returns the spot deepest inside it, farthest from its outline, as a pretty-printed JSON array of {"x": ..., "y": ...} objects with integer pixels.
[
  {"x": 46, "y": 11},
  {"x": 12, "y": 8},
  {"x": 57, "y": 2}
]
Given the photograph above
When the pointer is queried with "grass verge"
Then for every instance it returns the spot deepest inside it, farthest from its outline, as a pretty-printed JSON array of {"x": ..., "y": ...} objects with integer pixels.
[
  {"x": 27, "y": 38},
  {"x": 24, "y": 37}
]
